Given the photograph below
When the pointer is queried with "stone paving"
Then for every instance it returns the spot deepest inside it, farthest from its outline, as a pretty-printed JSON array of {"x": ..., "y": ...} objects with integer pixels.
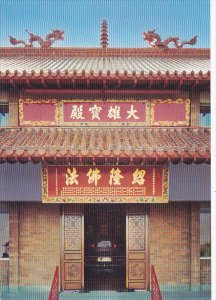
[{"x": 37, "y": 294}]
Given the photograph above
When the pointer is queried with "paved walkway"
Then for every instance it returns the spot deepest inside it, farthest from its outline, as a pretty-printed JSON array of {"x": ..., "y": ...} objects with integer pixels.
[
  {"x": 136, "y": 296},
  {"x": 106, "y": 295}
]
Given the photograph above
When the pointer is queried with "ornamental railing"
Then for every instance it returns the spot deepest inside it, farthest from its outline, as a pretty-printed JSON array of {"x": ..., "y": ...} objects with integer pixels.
[
  {"x": 155, "y": 293},
  {"x": 54, "y": 292}
]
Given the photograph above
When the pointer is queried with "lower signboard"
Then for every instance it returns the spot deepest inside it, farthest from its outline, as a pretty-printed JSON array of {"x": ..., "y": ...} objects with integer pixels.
[{"x": 105, "y": 184}]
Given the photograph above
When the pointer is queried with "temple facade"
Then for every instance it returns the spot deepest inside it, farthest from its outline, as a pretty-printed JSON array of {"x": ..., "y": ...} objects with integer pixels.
[{"x": 105, "y": 144}]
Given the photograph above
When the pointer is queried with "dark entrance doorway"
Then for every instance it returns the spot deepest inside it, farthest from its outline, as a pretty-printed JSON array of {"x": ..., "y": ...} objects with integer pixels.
[{"x": 105, "y": 247}]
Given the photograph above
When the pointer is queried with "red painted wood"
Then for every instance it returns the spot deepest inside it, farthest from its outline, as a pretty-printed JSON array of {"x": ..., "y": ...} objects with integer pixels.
[
  {"x": 100, "y": 92},
  {"x": 156, "y": 293},
  {"x": 54, "y": 292},
  {"x": 169, "y": 112},
  {"x": 39, "y": 112}
]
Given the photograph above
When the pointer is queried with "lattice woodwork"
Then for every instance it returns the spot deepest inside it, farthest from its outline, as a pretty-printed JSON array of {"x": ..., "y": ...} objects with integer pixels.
[
  {"x": 73, "y": 236},
  {"x": 136, "y": 232},
  {"x": 137, "y": 276}
]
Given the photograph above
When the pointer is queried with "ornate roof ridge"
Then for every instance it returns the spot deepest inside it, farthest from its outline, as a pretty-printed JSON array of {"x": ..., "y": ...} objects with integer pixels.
[{"x": 108, "y": 52}]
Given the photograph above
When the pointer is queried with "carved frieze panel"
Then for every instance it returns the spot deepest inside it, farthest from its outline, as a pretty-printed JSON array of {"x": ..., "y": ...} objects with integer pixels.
[
  {"x": 136, "y": 270},
  {"x": 73, "y": 271}
]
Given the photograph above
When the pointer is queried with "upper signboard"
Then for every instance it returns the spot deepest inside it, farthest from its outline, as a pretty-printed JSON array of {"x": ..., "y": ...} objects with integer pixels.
[
  {"x": 107, "y": 113},
  {"x": 104, "y": 113}
]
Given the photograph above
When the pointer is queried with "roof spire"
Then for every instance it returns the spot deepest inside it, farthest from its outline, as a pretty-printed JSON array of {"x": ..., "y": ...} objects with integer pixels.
[{"x": 104, "y": 35}]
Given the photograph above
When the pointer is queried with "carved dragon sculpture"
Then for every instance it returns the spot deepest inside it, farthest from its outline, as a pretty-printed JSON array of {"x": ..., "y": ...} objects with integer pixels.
[
  {"x": 155, "y": 40},
  {"x": 55, "y": 35}
]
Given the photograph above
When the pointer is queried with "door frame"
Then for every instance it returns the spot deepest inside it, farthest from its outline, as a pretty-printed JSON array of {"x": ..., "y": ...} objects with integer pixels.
[
  {"x": 76, "y": 210},
  {"x": 139, "y": 209}
]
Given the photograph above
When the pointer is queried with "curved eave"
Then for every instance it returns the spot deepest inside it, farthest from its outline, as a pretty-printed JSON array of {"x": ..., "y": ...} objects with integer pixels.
[
  {"x": 102, "y": 146},
  {"x": 108, "y": 75},
  {"x": 64, "y": 79}
]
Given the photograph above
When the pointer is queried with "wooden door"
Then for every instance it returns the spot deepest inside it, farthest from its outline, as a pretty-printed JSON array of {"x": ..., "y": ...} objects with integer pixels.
[
  {"x": 137, "y": 266},
  {"x": 73, "y": 247}
]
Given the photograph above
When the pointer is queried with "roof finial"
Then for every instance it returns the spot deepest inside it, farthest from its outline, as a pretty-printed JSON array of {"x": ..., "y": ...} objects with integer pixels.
[
  {"x": 55, "y": 35},
  {"x": 155, "y": 41},
  {"x": 104, "y": 35}
]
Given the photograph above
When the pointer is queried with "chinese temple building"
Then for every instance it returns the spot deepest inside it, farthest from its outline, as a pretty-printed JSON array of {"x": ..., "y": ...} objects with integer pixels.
[{"x": 105, "y": 144}]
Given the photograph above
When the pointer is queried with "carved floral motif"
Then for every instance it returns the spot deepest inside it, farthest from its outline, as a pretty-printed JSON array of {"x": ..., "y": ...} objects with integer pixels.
[{"x": 137, "y": 270}]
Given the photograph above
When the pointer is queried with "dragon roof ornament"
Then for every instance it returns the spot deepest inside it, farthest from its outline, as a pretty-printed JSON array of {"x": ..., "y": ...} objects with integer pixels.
[
  {"x": 155, "y": 40},
  {"x": 50, "y": 38}
]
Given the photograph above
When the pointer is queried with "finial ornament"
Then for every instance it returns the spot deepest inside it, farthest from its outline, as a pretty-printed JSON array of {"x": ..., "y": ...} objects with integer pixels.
[
  {"x": 104, "y": 35},
  {"x": 155, "y": 40},
  {"x": 55, "y": 35}
]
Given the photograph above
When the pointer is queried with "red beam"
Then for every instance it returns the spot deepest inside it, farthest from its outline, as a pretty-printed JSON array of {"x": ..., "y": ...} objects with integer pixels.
[
  {"x": 58, "y": 83},
  {"x": 12, "y": 83},
  {"x": 43, "y": 83},
  {"x": 99, "y": 92},
  {"x": 104, "y": 83},
  {"x": 135, "y": 83},
  {"x": 27, "y": 82},
  {"x": 150, "y": 83},
  {"x": 166, "y": 81},
  {"x": 88, "y": 83}
]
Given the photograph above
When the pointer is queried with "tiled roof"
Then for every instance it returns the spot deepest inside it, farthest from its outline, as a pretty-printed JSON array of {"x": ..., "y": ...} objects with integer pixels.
[
  {"x": 21, "y": 65},
  {"x": 172, "y": 144}
]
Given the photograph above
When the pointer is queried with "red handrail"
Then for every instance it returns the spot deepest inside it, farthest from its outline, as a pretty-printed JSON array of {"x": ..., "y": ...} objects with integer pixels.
[
  {"x": 54, "y": 292},
  {"x": 156, "y": 293}
]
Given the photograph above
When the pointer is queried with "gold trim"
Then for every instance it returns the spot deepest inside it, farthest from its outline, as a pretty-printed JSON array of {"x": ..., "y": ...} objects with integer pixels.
[
  {"x": 38, "y": 123},
  {"x": 56, "y": 181},
  {"x": 165, "y": 181},
  {"x": 153, "y": 182},
  {"x": 44, "y": 183},
  {"x": 148, "y": 112},
  {"x": 170, "y": 123},
  {"x": 125, "y": 124},
  {"x": 117, "y": 199}
]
